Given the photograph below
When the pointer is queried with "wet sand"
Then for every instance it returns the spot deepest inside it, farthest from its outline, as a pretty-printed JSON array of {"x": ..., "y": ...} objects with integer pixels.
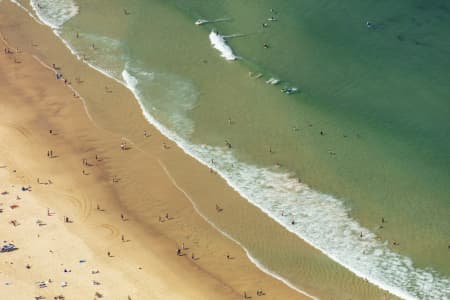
[{"x": 113, "y": 201}]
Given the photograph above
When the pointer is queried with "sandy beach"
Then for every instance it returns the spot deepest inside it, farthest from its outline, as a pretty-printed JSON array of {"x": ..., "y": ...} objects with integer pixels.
[{"x": 95, "y": 212}]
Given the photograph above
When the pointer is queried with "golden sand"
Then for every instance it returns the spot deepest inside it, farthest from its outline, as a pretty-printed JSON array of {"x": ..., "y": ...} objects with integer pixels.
[{"x": 128, "y": 210}]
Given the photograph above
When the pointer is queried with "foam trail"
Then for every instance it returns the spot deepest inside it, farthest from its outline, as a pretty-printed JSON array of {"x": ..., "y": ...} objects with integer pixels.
[
  {"x": 218, "y": 42},
  {"x": 203, "y": 21},
  {"x": 334, "y": 233},
  {"x": 234, "y": 35},
  {"x": 220, "y": 20},
  {"x": 366, "y": 257}
]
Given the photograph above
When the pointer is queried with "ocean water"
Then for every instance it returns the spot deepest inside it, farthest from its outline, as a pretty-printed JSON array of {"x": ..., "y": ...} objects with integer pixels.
[{"x": 356, "y": 162}]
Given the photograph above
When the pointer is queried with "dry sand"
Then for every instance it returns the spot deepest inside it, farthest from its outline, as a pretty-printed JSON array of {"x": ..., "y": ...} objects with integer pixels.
[{"x": 143, "y": 264}]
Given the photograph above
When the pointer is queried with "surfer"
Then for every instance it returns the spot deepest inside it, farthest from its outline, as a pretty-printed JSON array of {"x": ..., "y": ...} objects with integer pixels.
[
  {"x": 126, "y": 12},
  {"x": 266, "y": 46}
]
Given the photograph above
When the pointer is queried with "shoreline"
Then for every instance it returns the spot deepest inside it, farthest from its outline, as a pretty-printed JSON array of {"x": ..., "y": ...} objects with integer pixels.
[
  {"x": 137, "y": 146},
  {"x": 272, "y": 283}
]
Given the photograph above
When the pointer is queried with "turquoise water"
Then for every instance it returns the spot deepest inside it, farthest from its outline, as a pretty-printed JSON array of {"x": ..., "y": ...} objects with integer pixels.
[{"x": 365, "y": 139}]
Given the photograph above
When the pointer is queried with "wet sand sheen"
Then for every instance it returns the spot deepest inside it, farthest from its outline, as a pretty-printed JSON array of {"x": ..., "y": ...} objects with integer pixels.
[{"x": 144, "y": 198}]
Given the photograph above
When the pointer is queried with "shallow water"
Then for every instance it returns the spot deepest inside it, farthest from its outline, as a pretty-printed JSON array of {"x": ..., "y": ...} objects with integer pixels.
[{"x": 367, "y": 135}]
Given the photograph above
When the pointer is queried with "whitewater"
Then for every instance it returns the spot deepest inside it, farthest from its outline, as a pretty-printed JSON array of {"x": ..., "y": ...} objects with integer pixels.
[
  {"x": 218, "y": 42},
  {"x": 321, "y": 220}
]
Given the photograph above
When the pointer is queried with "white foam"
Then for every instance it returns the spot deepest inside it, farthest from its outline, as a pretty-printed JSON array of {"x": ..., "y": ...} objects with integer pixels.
[
  {"x": 54, "y": 13},
  {"x": 219, "y": 43},
  {"x": 320, "y": 219},
  {"x": 172, "y": 97}
]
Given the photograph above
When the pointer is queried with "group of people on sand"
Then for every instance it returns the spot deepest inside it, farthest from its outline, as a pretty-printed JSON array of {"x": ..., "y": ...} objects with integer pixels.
[
  {"x": 66, "y": 219},
  {"x": 9, "y": 51}
]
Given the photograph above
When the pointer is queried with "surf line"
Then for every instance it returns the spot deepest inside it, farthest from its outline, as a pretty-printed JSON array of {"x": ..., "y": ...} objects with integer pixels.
[{"x": 258, "y": 264}]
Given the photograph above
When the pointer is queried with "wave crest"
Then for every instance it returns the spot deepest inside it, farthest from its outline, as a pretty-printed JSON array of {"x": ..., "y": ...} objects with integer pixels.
[{"x": 219, "y": 42}]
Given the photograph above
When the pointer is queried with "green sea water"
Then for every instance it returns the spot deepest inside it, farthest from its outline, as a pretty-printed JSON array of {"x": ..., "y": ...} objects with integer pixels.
[{"x": 370, "y": 125}]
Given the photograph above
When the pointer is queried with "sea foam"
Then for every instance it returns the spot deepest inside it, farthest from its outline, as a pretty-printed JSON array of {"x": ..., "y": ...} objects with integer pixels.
[
  {"x": 54, "y": 13},
  {"x": 218, "y": 41},
  {"x": 320, "y": 219},
  {"x": 172, "y": 96}
]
